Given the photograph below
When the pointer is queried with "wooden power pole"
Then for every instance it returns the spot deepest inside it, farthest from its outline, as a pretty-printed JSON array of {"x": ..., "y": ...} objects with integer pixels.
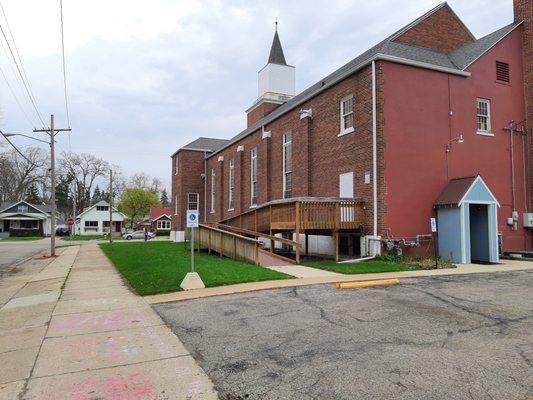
[
  {"x": 110, "y": 206},
  {"x": 52, "y": 131}
]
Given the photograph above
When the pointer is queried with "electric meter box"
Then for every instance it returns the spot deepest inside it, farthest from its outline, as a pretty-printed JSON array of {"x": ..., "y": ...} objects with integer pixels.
[{"x": 528, "y": 220}]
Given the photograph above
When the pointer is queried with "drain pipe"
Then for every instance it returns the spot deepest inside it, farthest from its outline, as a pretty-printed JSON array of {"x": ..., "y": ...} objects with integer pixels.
[
  {"x": 514, "y": 213},
  {"x": 205, "y": 187},
  {"x": 374, "y": 150}
]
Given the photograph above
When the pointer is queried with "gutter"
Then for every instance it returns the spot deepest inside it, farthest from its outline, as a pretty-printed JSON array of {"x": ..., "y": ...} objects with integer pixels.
[{"x": 377, "y": 57}]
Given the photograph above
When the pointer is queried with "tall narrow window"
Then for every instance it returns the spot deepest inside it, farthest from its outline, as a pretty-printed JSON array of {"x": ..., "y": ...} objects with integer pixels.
[
  {"x": 192, "y": 201},
  {"x": 231, "y": 184},
  {"x": 212, "y": 190},
  {"x": 483, "y": 116},
  {"x": 346, "y": 115},
  {"x": 176, "y": 163},
  {"x": 176, "y": 205},
  {"x": 287, "y": 165},
  {"x": 253, "y": 176}
]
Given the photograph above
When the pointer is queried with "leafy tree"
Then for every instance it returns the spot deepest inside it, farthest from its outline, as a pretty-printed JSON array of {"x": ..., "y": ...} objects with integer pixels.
[
  {"x": 164, "y": 198},
  {"x": 136, "y": 204}
]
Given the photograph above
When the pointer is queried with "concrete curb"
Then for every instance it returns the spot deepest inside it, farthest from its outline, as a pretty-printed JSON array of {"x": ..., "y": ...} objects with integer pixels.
[{"x": 508, "y": 266}]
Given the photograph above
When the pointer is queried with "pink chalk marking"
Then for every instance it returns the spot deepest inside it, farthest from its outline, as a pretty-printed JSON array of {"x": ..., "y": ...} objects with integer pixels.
[
  {"x": 114, "y": 320},
  {"x": 133, "y": 386}
]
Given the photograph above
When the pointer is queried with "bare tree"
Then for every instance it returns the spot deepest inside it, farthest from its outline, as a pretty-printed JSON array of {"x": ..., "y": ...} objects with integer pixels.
[
  {"x": 141, "y": 180},
  {"x": 19, "y": 174},
  {"x": 84, "y": 169}
]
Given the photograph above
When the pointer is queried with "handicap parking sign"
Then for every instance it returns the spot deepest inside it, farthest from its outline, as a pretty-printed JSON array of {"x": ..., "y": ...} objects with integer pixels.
[{"x": 192, "y": 219}]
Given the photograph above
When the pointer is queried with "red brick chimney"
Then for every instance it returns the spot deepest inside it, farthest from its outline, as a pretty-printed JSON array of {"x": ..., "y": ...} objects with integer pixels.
[{"x": 523, "y": 11}]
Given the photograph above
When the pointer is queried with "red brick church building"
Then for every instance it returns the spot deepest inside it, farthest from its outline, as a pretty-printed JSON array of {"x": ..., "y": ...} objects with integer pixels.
[{"x": 429, "y": 123}]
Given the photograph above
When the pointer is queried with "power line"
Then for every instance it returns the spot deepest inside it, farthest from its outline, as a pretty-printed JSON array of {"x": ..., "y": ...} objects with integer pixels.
[
  {"x": 64, "y": 68},
  {"x": 16, "y": 98},
  {"x": 25, "y": 82},
  {"x": 16, "y": 149}
]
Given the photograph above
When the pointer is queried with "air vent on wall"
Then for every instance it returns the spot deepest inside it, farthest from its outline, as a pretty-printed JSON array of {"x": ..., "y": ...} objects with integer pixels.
[{"x": 502, "y": 71}]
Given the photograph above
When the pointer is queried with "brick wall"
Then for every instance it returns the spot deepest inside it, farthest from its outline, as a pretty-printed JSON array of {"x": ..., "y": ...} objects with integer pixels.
[
  {"x": 440, "y": 31},
  {"x": 319, "y": 154},
  {"x": 523, "y": 11},
  {"x": 259, "y": 112},
  {"x": 187, "y": 180}
]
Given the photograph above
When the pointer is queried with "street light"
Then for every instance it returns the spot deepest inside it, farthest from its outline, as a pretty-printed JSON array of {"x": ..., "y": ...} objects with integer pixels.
[
  {"x": 458, "y": 139},
  {"x": 26, "y": 136}
]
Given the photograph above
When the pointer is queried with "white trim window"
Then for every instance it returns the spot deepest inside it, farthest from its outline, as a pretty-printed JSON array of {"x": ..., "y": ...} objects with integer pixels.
[
  {"x": 176, "y": 205},
  {"x": 163, "y": 224},
  {"x": 253, "y": 177},
  {"x": 287, "y": 165},
  {"x": 212, "y": 210},
  {"x": 346, "y": 115},
  {"x": 22, "y": 208},
  {"x": 176, "y": 165},
  {"x": 483, "y": 116},
  {"x": 192, "y": 201},
  {"x": 231, "y": 185}
]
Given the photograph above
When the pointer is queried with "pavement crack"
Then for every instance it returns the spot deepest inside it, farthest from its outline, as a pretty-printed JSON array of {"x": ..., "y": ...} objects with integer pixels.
[{"x": 323, "y": 314}]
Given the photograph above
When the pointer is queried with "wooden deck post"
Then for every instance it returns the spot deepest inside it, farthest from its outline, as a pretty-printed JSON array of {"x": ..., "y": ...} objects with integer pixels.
[
  {"x": 221, "y": 253},
  {"x": 306, "y": 244},
  {"x": 297, "y": 231},
  {"x": 209, "y": 243},
  {"x": 336, "y": 237}
]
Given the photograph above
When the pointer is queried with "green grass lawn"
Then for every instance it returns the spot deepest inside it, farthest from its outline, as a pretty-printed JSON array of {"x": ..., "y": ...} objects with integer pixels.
[
  {"x": 18, "y": 238},
  {"x": 365, "y": 267},
  {"x": 159, "y": 267}
]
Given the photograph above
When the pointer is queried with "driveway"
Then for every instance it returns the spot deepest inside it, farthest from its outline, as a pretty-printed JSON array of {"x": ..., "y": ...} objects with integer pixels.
[
  {"x": 12, "y": 252},
  {"x": 452, "y": 337}
]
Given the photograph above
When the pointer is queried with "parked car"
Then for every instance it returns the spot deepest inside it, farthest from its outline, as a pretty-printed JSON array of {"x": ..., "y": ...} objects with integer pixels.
[
  {"x": 138, "y": 235},
  {"x": 62, "y": 231}
]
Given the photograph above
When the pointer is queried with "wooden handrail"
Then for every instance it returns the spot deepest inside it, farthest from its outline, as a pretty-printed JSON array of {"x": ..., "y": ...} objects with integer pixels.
[
  {"x": 259, "y": 234},
  {"x": 229, "y": 233}
]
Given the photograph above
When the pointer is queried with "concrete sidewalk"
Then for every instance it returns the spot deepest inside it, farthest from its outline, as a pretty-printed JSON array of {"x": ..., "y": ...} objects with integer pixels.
[
  {"x": 311, "y": 278},
  {"x": 89, "y": 339}
]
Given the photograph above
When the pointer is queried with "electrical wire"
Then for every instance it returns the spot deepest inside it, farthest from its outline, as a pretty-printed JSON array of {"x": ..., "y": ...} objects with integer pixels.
[
  {"x": 16, "y": 149},
  {"x": 64, "y": 67},
  {"x": 16, "y": 98},
  {"x": 20, "y": 67}
]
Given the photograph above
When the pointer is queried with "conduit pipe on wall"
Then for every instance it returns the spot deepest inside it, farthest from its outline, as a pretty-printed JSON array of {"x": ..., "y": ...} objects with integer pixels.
[
  {"x": 511, "y": 136},
  {"x": 374, "y": 150}
]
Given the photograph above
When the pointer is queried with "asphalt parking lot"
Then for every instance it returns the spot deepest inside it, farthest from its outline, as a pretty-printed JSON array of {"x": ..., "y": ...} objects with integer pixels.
[{"x": 453, "y": 337}]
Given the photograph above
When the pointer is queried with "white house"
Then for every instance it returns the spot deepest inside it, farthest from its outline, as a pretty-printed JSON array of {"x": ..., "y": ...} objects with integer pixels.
[
  {"x": 95, "y": 220},
  {"x": 23, "y": 218}
]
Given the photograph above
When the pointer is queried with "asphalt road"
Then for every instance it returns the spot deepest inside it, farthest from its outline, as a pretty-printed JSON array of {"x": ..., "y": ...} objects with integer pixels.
[
  {"x": 454, "y": 337},
  {"x": 12, "y": 252}
]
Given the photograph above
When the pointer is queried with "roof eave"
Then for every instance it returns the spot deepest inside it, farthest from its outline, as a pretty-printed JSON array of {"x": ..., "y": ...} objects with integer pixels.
[
  {"x": 494, "y": 44},
  {"x": 187, "y": 149},
  {"x": 351, "y": 71}
]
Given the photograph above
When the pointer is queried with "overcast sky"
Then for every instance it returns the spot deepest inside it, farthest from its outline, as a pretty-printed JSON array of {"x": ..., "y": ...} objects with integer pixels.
[{"x": 146, "y": 77}]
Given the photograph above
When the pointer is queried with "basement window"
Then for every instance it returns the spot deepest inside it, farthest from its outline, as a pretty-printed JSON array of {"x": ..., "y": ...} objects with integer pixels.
[
  {"x": 483, "y": 117},
  {"x": 502, "y": 72}
]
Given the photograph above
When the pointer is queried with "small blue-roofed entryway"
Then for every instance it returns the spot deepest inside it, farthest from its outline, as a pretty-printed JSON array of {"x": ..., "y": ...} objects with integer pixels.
[{"x": 467, "y": 221}]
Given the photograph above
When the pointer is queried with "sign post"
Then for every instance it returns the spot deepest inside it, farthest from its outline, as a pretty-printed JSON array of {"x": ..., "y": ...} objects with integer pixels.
[
  {"x": 192, "y": 280},
  {"x": 433, "y": 222}
]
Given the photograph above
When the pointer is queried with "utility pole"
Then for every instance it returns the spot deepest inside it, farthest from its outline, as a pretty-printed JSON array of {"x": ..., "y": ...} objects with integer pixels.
[
  {"x": 110, "y": 205},
  {"x": 52, "y": 133}
]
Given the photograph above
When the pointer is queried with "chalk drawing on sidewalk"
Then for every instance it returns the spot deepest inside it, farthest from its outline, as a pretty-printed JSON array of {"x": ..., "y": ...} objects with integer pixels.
[{"x": 132, "y": 386}]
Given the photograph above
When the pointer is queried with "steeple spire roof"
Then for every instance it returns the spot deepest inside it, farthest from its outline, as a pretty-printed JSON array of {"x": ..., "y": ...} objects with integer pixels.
[{"x": 276, "y": 51}]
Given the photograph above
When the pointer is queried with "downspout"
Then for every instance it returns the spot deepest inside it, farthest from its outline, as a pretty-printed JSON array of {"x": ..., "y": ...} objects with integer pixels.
[
  {"x": 374, "y": 149},
  {"x": 205, "y": 187},
  {"x": 513, "y": 214}
]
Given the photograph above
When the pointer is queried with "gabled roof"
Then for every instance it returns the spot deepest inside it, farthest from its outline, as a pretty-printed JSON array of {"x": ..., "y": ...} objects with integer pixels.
[
  {"x": 455, "y": 62},
  {"x": 457, "y": 189},
  {"x": 204, "y": 144},
  {"x": 100, "y": 203},
  {"x": 156, "y": 213},
  {"x": 276, "y": 51},
  {"x": 467, "y": 55},
  {"x": 44, "y": 208}
]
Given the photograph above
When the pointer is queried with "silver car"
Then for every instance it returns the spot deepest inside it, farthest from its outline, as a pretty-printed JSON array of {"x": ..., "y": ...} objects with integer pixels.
[{"x": 138, "y": 235}]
